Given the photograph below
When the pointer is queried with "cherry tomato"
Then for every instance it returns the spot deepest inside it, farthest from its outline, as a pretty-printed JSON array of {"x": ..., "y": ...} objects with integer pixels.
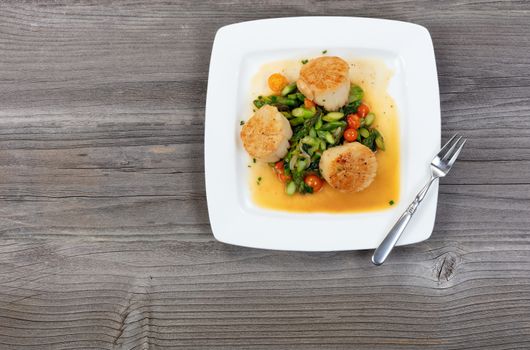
[
  {"x": 354, "y": 121},
  {"x": 314, "y": 182},
  {"x": 280, "y": 172},
  {"x": 363, "y": 110},
  {"x": 283, "y": 178},
  {"x": 309, "y": 104},
  {"x": 350, "y": 135},
  {"x": 277, "y": 82}
]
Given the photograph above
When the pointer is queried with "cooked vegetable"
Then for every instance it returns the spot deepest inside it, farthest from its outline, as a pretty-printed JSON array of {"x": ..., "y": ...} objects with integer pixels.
[
  {"x": 305, "y": 113},
  {"x": 380, "y": 143},
  {"x": 316, "y": 130},
  {"x": 289, "y": 88},
  {"x": 369, "y": 119},
  {"x": 279, "y": 168},
  {"x": 296, "y": 121},
  {"x": 310, "y": 140},
  {"x": 356, "y": 94},
  {"x": 277, "y": 82},
  {"x": 284, "y": 104},
  {"x": 326, "y": 135},
  {"x": 369, "y": 141},
  {"x": 351, "y": 108},
  {"x": 290, "y": 189},
  {"x": 364, "y": 132},
  {"x": 354, "y": 121},
  {"x": 309, "y": 104},
  {"x": 318, "y": 123},
  {"x": 301, "y": 165},
  {"x": 363, "y": 110},
  {"x": 350, "y": 135},
  {"x": 314, "y": 182},
  {"x": 333, "y": 116},
  {"x": 333, "y": 125}
]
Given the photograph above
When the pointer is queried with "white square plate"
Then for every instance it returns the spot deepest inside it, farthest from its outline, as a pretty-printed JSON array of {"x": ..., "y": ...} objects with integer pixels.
[{"x": 238, "y": 52}]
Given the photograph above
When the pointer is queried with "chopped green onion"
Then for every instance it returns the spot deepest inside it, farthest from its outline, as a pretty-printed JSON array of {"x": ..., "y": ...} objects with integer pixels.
[
  {"x": 288, "y": 89},
  {"x": 290, "y": 189},
  {"x": 333, "y": 125},
  {"x": 292, "y": 96},
  {"x": 301, "y": 165},
  {"x": 300, "y": 96},
  {"x": 326, "y": 135},
  {"x": 318, "y": 123},
  {"x": 369, "y": 119},
  {"x": 305, "y": 113},
  {"x": 296, "y": 121},
  {"x": 380, "y": 143},
  {"x": 308, "y": 140},
  {"x": 292, "y": 162},
  {"x": 333, "y": 116},
  {"x": 364, "y": 132}
]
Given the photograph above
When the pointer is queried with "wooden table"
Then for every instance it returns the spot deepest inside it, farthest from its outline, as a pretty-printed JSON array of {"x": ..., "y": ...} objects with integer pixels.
[{"x": 104, "y": 234}]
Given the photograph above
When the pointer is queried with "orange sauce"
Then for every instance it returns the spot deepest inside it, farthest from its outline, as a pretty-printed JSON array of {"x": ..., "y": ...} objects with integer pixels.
[{"x": 373, "y": 77}]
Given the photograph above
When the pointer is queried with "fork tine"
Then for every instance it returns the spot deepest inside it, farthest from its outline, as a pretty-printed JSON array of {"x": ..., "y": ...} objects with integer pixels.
[
  {"x": 446, "y": 146},
  {"x": 451, "y": 150},
  {"x": 456, "y": 153}
]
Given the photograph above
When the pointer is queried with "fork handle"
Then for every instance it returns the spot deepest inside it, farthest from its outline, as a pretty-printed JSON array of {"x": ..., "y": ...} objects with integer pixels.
[{"x": 384, "y": 249}]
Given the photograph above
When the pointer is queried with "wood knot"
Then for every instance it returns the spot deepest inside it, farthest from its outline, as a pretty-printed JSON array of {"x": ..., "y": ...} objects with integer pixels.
[
  {"x": 135, "y": 319},
  {"x": 445, "y": 266}
]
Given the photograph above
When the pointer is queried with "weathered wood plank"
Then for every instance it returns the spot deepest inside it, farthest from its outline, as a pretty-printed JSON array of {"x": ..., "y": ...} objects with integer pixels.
[
  {"x": 104, "y": 237},
  {"x": 205, "y": 294}
]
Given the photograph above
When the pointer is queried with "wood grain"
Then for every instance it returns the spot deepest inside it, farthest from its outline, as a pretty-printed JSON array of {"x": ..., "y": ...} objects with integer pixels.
[{"x": 105, "y": 241}]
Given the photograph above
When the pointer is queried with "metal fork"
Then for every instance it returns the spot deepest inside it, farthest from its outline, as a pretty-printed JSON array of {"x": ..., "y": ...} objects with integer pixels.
[{"x": 440, "y": 166}]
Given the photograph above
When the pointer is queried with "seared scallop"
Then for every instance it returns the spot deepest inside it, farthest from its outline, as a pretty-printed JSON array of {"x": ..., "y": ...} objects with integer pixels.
[
  {"x": 266, "y": 134},
  {"x": 349, "y": 168},
  {"x": 326, "y": 81}
]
